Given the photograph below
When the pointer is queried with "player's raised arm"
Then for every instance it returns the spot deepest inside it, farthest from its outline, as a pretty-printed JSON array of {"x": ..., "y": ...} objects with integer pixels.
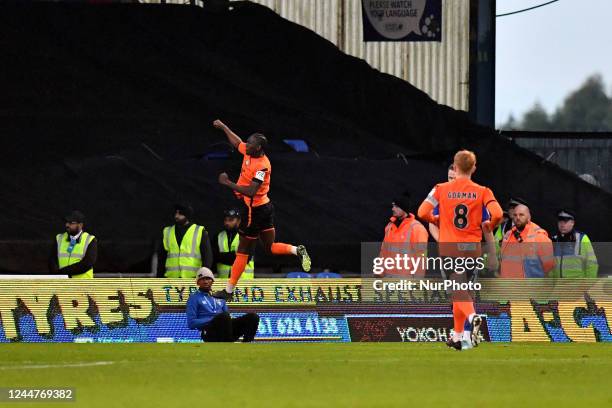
[{"x": 233, "y": 138}]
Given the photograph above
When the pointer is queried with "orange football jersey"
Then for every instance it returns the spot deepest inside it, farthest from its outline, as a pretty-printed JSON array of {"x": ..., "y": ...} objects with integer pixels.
[
  {"x": 255, "y": 169},
  {"x": 462, "y": 209}
]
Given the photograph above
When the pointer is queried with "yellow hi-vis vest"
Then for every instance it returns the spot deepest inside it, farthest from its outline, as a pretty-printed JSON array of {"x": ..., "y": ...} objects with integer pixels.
[
  {"x": 224, "y": 270},
  {"x": 581, "y": 263},
  {"x": 183, "y": 261},
  {"x": 65, "y": 258}
]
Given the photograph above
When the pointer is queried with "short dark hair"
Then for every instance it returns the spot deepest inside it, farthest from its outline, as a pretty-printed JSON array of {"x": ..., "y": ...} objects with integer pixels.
[
  {"x": 261, "y": 139},
  {"x": 75, "y": 216},
  {"x": 184, "y": 208},
  {"x": 232, "y": 212}
]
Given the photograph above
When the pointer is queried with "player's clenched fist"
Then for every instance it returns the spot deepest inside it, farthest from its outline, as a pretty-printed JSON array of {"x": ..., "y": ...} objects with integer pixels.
[
  {"x": 218, "y": 124},
  {"x": 223, "y": 178}
]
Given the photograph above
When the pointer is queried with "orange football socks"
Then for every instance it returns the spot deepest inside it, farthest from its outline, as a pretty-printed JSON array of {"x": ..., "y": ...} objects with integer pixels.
[
  {"x": 283, "y": 249},
  {"x": 237, "y": 269}
]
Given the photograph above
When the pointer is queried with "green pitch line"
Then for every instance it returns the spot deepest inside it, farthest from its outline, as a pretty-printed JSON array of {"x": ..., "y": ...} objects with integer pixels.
[{"x": 296, "y": 375}]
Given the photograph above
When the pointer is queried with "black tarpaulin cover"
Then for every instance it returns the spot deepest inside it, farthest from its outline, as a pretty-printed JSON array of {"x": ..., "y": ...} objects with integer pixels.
[{"x": 108, "y": 108}]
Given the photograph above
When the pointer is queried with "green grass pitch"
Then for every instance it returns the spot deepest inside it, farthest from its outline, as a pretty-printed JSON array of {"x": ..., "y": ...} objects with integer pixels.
[{"x": 312, "y": 375}]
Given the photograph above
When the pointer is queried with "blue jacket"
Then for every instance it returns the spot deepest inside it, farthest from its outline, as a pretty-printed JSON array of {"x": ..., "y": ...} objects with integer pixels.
[{"x": 201, "y": 308}]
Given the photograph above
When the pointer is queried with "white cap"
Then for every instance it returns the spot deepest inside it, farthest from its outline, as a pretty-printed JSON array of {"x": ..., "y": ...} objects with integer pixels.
[{"x": 204, "y": 272}]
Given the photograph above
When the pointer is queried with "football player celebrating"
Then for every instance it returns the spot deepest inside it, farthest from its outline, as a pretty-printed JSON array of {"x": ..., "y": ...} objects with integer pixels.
[{"x": 257, "y": 209}]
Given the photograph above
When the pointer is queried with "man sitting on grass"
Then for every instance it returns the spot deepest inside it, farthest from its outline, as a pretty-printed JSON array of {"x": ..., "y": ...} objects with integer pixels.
[{"x": 211, "y": 316}]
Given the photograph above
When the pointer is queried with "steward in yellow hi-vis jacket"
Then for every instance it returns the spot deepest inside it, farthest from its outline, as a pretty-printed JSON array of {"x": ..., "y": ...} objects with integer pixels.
[
  {"x": 574, "y": 254},
  {"x": 227, "y": 244},
  {"x": 75, "y": 251},
  {"x": 186, "y": 246}
]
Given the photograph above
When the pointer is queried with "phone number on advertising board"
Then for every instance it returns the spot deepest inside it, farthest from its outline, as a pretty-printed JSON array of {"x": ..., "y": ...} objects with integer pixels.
[{"x": 283, "y": 326}]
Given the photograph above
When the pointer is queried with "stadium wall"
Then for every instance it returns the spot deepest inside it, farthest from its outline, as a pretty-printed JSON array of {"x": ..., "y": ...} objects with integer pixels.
[
  {"x": 308, "y": 310},
  {"x": 584, "y": 153},
  {"x": 439, "y": 69}
]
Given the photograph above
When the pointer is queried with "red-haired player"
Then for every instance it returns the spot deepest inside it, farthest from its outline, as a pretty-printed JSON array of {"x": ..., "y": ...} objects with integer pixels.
[{"x": 461, "y": 204}]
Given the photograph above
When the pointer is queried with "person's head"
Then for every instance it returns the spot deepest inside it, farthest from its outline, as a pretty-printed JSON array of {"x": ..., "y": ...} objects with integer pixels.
[
  {"x": 451, "y": 172},
  {"x": 514, "y": 201},
  {"x": 182, "y": 214},
  {"x": 522, "y": 215},
  {"x": 566, "y": 220},
  {"x": 74, "y": 222},
  {"x": 205, "y": 279},
  {"x": 231, "y": 219},
  {"x": 400, "y": 206},
  {"x": 511, "y": 212},
  {"x": 464, "y": 163},
  {"x": 256, "y": 144}
]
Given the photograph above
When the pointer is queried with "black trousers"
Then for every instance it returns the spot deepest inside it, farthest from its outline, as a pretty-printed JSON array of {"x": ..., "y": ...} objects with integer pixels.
[{"x": 222, "y": 328}]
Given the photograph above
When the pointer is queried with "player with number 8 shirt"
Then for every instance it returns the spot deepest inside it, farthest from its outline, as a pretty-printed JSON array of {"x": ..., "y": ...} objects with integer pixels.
[{"x": 461, "y": 205}]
